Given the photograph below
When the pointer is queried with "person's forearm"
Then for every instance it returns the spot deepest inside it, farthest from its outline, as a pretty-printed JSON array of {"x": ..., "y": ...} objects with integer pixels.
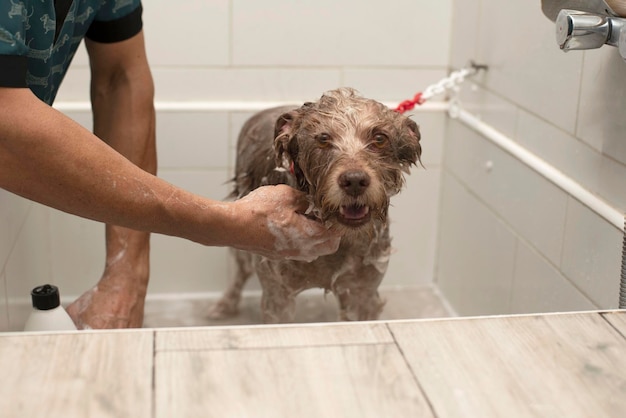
[{"x": 48, "y": 158}]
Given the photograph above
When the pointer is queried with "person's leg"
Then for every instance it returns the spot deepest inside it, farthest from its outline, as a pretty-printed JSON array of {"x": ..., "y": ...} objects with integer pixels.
[
  {"x": 117, "y": 301},
  {"x": 122, "y": 94}
]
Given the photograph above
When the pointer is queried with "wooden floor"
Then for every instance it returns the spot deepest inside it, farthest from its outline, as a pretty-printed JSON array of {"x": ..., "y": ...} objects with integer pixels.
[{"x": 557, "y": 365}]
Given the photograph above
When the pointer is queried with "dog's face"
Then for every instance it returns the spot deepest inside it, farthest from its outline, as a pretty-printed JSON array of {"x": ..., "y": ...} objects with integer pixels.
[{"x": 349, "y": 154}]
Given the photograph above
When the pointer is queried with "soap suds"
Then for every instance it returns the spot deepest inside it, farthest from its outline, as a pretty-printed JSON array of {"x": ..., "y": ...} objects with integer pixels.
[{"x": 289, "y": 237}]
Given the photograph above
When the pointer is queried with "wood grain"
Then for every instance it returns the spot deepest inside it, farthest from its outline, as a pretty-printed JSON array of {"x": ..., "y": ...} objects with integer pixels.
[
  {"x": 323, "y": 381},
  {"x": 552, "y": 365},
  {"x": 77, "y": 375},
  {"x": 273, "y": 336},
  {"x": 555, "y": 365}
]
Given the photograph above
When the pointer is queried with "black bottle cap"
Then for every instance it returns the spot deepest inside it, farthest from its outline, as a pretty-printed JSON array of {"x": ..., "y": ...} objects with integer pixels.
[{"x": 45, "y": 297}]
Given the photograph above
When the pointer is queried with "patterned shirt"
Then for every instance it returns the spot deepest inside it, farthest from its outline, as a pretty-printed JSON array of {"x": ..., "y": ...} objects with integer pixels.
[{"x": 38, "y": 38}]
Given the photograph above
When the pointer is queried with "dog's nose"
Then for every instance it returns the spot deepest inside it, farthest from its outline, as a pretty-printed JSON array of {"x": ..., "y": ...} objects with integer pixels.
[{"x": 354, "y": 182}]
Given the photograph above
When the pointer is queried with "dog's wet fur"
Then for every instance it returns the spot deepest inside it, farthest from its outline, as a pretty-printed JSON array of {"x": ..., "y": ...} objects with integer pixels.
[{"x": 349, "y": 155}]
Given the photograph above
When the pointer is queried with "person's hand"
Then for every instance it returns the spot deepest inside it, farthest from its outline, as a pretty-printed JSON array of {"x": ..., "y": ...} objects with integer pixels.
[{"x": 275, "y": 226}]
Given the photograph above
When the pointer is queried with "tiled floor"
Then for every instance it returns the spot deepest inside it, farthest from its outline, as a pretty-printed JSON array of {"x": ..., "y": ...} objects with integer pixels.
[
  {"x": 551, "y": 365},
  {"x": 311, "y": 306}
]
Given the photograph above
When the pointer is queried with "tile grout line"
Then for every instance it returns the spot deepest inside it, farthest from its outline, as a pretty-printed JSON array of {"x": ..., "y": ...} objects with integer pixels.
[
  {"x": 275, "y": 347},
  {"x": 415, "y": 378},
  {"x": 603, "y": 316}
]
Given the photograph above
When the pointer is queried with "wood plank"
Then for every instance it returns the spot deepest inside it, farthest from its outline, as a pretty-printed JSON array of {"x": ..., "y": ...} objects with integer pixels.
[
  {"x": 554, "y": 365},
  {"x": 618, "y": 320},
  {"x": 77, "y": 375},
  {"x": 340, "y": 381},
  {"x": 272, "y": 336}
]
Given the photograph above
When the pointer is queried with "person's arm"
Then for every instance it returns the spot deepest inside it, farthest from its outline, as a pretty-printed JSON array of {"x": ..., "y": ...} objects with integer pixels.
[
  {"x": 48, "y": 158},
  {"x": 122, "y": 95}
]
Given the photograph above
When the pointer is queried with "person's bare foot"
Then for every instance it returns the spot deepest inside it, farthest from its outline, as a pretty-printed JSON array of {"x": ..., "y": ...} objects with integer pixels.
[
  {"x": 106, "y": 307},
  {"x": 117, "y": 301}
]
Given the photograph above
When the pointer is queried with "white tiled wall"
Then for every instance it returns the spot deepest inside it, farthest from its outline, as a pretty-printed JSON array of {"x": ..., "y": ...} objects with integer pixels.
[
  {"x": 511, "y": 241},
  {"x": 248, "y": 51},
  {"x": 496, "y": 240}
]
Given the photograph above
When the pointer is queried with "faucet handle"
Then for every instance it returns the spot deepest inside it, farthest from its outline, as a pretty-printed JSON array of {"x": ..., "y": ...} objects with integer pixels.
[{"x": 580, "y": 30}]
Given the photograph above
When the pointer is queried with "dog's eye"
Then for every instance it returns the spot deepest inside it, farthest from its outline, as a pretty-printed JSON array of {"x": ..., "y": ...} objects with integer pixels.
[
  {"x": 323, "y": 140},
  {"x": 380, "y": 141}
]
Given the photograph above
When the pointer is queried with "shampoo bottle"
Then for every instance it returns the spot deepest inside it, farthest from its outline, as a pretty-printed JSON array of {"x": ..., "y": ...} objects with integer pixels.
[{"x": 48, "y": 314}]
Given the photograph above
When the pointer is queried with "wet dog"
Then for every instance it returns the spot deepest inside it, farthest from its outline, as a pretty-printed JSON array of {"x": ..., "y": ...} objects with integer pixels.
[{"x": 349, "y": 155}]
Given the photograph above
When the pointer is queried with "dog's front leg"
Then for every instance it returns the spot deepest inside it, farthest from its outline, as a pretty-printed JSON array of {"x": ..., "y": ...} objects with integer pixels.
[
  {"x": 357, "y": 294},
  {"x": 278, "y": 302},
  {"x": 359, "y": 304},
  {"x": 227, "y": 305}
]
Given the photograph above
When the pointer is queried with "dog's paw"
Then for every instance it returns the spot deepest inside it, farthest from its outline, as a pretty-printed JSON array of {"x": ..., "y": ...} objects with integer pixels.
[{"x": 222, "y": 309}]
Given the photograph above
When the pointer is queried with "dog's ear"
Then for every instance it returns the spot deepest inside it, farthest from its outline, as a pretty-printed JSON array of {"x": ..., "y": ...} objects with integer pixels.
[
  {"x": 283, "y": 134},
  {"x": 410, "y": 150}
]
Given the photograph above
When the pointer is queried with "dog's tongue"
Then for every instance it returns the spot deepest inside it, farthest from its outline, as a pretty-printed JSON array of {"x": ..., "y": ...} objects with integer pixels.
[{"x": 354, "y": 211}]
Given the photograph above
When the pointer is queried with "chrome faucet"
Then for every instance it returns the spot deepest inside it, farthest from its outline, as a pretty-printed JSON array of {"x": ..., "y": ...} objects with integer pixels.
[{"x": 586, "y": 24}]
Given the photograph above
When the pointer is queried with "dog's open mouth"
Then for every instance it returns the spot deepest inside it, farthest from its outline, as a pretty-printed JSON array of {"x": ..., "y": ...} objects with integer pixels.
[{"x": 354, "y": 215}]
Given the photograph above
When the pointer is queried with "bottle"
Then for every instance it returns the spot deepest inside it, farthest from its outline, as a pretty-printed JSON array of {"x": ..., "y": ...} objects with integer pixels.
[{"x": 48, "y": 314}]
